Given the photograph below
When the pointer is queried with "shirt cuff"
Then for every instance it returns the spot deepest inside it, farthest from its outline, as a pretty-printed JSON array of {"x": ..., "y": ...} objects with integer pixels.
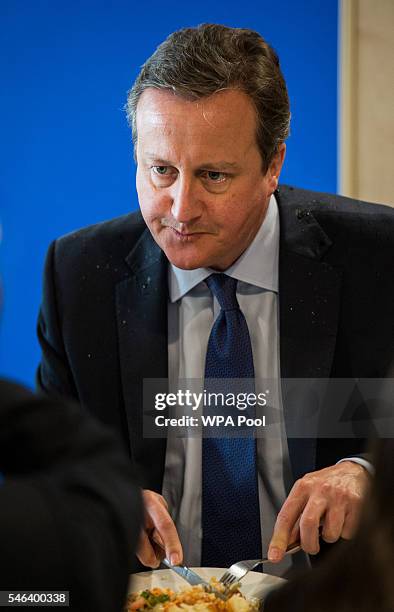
[{"x": 366, "y": 464}]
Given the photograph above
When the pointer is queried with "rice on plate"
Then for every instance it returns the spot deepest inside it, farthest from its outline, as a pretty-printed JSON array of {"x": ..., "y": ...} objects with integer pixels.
[{"x": 189, "y": 599}]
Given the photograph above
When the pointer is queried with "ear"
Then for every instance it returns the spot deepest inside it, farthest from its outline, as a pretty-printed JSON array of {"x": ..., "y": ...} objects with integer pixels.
[{"x": 275, "y": 168}]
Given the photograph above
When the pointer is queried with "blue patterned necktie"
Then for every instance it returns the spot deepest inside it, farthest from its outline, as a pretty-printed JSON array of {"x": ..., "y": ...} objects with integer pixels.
[{"x": 230, "y": 501}]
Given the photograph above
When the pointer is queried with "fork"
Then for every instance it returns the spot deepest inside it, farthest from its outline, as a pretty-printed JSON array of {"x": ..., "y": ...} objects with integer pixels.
[{"x": 238, "y": 570}]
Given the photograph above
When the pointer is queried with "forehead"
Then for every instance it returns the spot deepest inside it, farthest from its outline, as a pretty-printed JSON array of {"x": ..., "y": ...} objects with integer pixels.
[{"x": 224, "y": 119}]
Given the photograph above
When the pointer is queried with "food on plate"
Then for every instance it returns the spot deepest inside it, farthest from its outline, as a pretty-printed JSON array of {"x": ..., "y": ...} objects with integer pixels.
[{"x": 190, "y": 599}]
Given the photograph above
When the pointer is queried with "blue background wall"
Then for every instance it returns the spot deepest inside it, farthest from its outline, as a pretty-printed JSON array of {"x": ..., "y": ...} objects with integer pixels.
[{"x": 66, "y": 157}]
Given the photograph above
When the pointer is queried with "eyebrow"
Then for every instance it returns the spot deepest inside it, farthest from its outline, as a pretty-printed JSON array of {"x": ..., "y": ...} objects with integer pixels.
[{"x": 220, "y": 165}]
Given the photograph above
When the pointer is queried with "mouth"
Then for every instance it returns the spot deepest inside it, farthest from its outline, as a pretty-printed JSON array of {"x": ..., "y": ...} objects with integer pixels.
[
  {"x": 185, "y": 236},
  {"x": 181, "y": 233}
]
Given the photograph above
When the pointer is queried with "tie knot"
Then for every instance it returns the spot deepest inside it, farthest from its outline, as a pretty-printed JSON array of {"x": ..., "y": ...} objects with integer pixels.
[{"x": 224, "y": 288}]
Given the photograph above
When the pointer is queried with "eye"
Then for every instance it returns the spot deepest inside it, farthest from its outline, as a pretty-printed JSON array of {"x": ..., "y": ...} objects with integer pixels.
[
  {"x": 160, "y": 170},
  {"x": 216, "y": 181},
  {"x": 163, "y": 176},
  {"x": 216, "y": 177}
]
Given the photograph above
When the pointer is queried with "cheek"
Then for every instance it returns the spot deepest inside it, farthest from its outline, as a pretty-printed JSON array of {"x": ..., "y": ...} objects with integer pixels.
[
  {"x": 232, "y": 213},
  {"x": 146, "y": 195},
  {"x": 244, "y": 211},
  {"x": 144, "y": 188},
  {"x": 153, "y": 205}
]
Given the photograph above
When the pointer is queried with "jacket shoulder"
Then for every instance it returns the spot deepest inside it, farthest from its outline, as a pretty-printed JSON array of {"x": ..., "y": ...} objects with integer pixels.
[
  {"x": 94, "y": 255},
  {"x": 304, "y": 198},
  {"x": 118, "y": 234},
  {"x": 341, "y": 217}
]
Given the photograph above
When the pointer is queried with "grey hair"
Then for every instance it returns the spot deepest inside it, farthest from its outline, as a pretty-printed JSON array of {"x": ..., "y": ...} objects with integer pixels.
[{"x": 197, "y": 62}]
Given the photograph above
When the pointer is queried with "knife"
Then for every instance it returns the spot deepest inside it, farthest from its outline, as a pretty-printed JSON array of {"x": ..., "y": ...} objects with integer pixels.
[{"x": 192, "y": 578}]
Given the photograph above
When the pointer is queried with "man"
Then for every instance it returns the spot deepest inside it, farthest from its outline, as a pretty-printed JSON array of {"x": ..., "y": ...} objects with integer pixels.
[
  {"x": 69, "y": 512},
  {"x": 210, "y": 114}
]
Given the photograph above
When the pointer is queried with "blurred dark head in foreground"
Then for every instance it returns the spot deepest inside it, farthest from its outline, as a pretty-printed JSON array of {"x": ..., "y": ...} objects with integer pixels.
[{"x": 69, "y": 513}]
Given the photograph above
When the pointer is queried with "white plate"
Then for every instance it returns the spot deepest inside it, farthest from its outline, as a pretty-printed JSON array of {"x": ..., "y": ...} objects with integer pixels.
[{"x": 254, "y": 584}]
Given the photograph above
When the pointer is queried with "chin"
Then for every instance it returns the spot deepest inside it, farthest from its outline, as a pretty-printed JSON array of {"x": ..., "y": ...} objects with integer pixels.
[
  {"x": 193, "y": 263},
  {"x": 182, "y": 256},
  {"x": 185, "y": 261},
  {"x": 187, "y": 264}
]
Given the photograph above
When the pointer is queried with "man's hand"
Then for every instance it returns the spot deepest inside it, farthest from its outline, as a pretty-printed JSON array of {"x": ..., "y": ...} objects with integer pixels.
[
  {"x": 331, "y": 497},
  {"x": 159, "y": 537}
]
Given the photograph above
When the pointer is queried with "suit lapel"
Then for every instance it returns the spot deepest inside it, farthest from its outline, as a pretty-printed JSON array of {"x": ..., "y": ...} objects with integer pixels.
[
  {"x": 309, "y": 298},
  {"x": 141, "y": 300}
]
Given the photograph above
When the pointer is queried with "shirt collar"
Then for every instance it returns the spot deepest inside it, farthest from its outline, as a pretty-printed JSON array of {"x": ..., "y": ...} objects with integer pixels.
[{"x": 258, "y": 265}]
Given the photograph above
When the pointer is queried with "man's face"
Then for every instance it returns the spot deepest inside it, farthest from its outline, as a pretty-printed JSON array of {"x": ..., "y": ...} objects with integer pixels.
[{"x": 200, "y": 183}]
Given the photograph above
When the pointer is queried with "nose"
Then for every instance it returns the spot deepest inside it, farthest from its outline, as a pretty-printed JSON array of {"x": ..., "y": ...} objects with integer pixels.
[{"x": 186, "y": 205}]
